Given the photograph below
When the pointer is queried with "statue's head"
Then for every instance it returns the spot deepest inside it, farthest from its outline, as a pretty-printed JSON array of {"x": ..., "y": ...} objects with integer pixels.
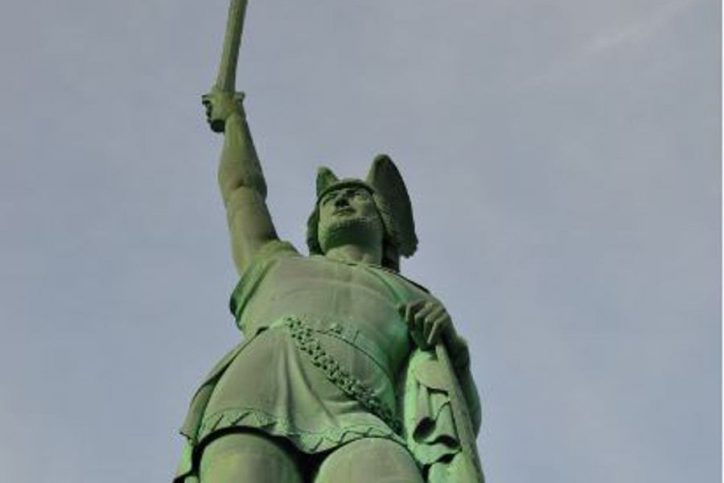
[
  {"x": 348, "y": 214},
  {"x": 374, "y": 211}
]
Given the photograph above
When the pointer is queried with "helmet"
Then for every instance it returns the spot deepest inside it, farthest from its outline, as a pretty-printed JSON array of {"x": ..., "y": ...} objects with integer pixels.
[{"x": 393, "y": 203}]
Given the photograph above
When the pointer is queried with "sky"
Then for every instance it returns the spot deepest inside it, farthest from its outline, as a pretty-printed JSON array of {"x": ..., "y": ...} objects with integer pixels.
[{"x": 563, "y": 158}]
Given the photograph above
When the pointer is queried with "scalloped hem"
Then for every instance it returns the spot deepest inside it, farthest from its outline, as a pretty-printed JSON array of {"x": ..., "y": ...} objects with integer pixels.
[{"x": 306, "y": 441}]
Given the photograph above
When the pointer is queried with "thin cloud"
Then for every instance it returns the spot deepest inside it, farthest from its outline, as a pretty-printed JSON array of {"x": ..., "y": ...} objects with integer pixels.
[
  {"x": 628, "y": 35},
  {"x": 638, "y": 31}
]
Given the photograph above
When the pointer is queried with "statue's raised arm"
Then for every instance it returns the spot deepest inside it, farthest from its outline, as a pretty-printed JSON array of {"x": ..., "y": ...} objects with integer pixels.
[
  {"x": 241, "y": 180},
  {"x": 240, "y": 176}
]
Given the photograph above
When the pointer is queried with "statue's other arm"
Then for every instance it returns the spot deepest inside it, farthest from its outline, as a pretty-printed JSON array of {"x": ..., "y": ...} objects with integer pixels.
[
  {"x": 429, "y": 322},
  {"x": 241, "y": 180}
]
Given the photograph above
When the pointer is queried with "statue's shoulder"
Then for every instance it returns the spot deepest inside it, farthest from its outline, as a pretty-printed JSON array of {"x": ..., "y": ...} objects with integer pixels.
[
  {"x": 410, "y": 284},
  {"x": 413, "y": 283},
  {"x": 261, "y": 262},
  {"x": 273, "y": 249}
]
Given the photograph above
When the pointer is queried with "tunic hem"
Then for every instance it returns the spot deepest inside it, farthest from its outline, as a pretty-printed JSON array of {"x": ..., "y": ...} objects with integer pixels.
[{"x": 309, "y": 442}]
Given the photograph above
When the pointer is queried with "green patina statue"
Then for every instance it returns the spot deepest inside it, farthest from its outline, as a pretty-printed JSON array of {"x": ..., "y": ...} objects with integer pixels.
[{"x": 348, "y": 371}]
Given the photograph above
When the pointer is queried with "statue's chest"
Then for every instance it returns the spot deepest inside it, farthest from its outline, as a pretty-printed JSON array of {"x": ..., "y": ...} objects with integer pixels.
[{"x": 361, "y": 296}]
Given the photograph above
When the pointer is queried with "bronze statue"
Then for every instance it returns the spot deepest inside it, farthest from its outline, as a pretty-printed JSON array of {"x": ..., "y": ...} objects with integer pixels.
[{"x": 348, "y": 371}]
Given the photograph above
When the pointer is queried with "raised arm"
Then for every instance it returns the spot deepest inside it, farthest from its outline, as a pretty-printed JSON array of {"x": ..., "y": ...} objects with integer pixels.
[{"x": 241, "y": 180}]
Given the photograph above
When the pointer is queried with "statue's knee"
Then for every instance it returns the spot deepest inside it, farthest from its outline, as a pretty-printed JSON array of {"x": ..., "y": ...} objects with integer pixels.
[
  {"x": 247, "y": 457},
  {"x": 369, "y": 459}
]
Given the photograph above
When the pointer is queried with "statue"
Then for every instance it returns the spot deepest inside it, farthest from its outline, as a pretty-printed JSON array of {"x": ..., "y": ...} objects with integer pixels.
[{"x": 348, "y": 371}]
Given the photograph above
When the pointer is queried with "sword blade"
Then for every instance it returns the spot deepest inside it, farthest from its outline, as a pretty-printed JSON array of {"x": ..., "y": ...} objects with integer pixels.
[{"x": 226, "y": 78}]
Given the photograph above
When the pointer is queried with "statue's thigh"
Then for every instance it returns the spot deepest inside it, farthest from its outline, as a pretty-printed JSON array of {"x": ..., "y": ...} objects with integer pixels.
[
  {"x": 248, "y": 457},
  {"x": 369, "y": 460}
]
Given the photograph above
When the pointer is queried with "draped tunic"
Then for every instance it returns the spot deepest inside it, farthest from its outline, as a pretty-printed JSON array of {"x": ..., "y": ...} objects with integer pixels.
[
  {"x": 327, "y": 359},
  {"x": 348, "y": 313}
]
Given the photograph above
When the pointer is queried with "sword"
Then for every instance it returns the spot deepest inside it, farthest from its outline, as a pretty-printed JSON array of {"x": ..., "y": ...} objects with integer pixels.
[
  {"x": 472, "y": 468},
  {"x": 226, "y": 78}
]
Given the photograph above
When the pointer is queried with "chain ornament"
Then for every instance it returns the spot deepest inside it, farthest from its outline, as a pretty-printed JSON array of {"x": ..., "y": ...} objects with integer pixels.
[{"x": 305, "y": 341}]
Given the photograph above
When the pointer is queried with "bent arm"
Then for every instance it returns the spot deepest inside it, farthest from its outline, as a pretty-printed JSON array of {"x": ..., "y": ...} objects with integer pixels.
[
  {"x": 243, "y": 190},
  {"x": 429, "y": 322}
]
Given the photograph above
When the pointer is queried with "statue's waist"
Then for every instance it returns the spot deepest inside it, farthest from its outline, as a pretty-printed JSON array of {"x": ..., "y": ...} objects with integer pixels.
[{"x": 344, "y": 332}]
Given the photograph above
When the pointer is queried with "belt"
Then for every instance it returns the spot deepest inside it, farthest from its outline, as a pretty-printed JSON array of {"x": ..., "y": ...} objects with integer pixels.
[
  {"x": 346, "y": 333},
  {"x": 302, "y": 330}
]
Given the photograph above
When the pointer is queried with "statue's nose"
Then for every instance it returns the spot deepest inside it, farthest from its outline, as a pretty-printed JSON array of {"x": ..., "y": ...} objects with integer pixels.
[{"x": 341, "y": 201}]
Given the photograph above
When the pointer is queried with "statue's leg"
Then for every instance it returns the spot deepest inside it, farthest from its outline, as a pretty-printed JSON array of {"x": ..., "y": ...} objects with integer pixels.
[
  {"x": 369, "y": 459},
  {"x": 248, "y": 457}
]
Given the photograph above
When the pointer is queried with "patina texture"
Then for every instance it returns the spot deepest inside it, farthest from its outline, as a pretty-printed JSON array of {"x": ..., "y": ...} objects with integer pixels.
[{"x": 347, "y": 371}]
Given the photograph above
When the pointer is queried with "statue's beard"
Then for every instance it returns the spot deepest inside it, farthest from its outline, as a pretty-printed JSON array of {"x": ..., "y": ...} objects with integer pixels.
[{"x": 350, "y": 230}]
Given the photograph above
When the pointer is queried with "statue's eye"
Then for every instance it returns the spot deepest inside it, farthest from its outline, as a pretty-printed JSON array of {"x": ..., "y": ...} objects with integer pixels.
[{"x": 328, "y": 198}]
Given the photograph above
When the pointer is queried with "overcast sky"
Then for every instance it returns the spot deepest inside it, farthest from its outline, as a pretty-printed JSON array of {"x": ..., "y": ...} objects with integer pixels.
[{"x": 563, "y": 158}]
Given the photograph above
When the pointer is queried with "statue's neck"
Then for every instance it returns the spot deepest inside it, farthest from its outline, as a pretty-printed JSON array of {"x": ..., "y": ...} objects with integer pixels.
[{"x": 356, "y": 253}]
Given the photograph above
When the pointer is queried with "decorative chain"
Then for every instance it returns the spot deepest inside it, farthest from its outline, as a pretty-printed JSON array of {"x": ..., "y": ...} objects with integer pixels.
[{"x": 305, "y": 341}]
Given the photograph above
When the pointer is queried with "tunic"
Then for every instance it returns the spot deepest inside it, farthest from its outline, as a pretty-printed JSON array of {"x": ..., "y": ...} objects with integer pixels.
[{"x": 324, "y": 349}]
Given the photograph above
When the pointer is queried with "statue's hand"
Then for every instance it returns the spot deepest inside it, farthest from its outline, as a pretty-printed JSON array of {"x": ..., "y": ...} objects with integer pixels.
[
  {"x": 428, "y": 322},
  {"x": 220, "y": 106}
]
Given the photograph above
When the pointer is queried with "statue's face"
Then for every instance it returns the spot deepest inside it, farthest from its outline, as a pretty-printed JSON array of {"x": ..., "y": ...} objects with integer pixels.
[{"x": 348, "y": 215}]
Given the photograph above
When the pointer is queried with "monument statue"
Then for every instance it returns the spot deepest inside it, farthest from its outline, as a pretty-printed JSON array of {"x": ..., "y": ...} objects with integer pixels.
[{"x": 348, "y": 371}]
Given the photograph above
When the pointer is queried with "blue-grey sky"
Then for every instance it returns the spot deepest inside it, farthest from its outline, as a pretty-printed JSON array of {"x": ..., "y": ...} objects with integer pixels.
[{"x": 564, "y": 162}]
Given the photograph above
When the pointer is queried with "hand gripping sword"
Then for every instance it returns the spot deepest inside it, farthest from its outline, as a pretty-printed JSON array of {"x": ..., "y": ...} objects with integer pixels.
[{"x": 226, "y": 78}]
